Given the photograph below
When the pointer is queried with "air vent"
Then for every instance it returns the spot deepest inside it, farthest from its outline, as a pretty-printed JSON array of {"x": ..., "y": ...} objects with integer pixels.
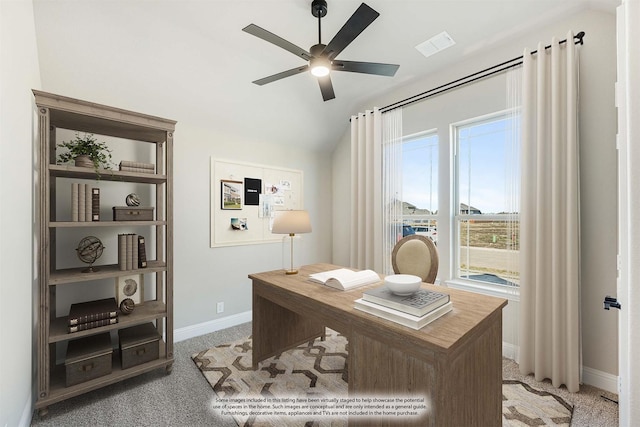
[{"x": 435, "y": 44}]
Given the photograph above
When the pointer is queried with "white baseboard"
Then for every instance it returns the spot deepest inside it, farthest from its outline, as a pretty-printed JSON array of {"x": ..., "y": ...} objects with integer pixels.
[
  {"x": 600, "y": 379},
  {"x": 192, "y": 331},
  {"x": 27, "y": 413},
  {"x": 510, "y": 351},
  {"x": 590, "y": 376}
]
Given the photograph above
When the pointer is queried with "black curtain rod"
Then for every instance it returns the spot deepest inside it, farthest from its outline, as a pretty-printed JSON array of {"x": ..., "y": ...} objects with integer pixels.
[{"x": 471, "y": 78}]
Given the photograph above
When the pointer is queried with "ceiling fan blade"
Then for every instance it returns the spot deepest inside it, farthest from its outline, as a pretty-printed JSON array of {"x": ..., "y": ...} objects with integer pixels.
[
  {"x": 326, "y": 87},
  {"x": 365, "y": 67},
  {"x": 276, "y": 40},
  {"x": 282, "y": 75},
  {"x": 356, "y": 24}
]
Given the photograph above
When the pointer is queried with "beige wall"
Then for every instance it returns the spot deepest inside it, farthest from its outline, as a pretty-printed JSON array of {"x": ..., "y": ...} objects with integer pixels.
[{"x": 19, "y": 73}]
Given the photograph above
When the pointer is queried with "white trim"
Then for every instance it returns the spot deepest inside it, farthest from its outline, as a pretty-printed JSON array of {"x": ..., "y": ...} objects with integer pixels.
[
  {"x": 600, "y": 379},
  {"x": 507, "y": 292},
  {"x": 193, "y": 331},
  {"x": 511, "y": 351},
  {"x": 421, "y": 134},
  {"x": 27, "y": 413}
]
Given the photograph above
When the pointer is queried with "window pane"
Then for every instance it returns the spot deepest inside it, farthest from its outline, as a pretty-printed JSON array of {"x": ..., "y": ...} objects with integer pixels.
[
  {"x": 487, "y": 185},
  {"x": 488, "y": 251},
  {"x": 486, "y": 164}
]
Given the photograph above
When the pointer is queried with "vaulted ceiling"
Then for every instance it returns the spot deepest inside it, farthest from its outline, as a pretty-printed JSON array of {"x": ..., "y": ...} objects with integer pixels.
[{"x": 190, "y": 60}]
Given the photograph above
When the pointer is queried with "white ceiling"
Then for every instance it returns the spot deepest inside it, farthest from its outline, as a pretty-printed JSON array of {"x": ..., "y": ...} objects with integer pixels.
[{"x": 190, "y": 61}]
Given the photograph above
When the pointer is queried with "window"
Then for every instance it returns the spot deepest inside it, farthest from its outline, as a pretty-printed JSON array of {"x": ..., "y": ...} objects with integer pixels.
[
  {"x": 420, "y": 184},
  {"x": 486, "y": 194}
]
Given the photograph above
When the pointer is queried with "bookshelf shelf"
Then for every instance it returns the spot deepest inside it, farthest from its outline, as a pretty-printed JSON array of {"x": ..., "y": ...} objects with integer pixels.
[
  {"x": 59, "y": 392},
  {"x": 87, "y": 224},
  {"x": 75, "y": 275},
  {"x": 146, "y": 312},
  {"x": 59, "y": 112},
  {"x": 69, "y": 171}
]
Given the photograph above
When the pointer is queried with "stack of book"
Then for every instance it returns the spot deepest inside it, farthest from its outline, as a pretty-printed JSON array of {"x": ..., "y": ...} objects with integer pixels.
[
  {"x": 140, "y": 167},
  {"x": 131, "y": 252},
  {"x": 85, "y": 202},
  {"x": 415, "y": 310},
  {"x": 92, "y": 314}
]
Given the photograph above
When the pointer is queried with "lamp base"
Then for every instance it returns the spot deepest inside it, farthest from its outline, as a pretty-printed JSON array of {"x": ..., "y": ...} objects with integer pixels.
[{"x": 291, "y": 272}]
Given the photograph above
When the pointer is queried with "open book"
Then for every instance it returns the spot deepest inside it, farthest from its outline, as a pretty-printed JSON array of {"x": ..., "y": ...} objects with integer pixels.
[{"x": 344, "y": 279}]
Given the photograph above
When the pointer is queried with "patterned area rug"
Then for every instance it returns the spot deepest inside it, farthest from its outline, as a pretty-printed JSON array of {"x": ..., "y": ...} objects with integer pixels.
[{"x": 317, "y": 371}]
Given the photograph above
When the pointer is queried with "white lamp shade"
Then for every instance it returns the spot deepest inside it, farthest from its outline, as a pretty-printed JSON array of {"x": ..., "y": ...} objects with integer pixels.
[{"x": 291, "y": 222}]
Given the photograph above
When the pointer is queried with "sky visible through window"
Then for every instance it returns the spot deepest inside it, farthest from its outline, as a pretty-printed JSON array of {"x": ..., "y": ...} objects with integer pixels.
[
  {"x": 420, "y": 172},
  {"x": 488, "y": 167}
]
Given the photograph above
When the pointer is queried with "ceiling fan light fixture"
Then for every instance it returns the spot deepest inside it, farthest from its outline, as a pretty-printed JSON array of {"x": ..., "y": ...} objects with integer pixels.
[
  {"x": 320, "y": 71},
  {"x": 320, "y": 67}
]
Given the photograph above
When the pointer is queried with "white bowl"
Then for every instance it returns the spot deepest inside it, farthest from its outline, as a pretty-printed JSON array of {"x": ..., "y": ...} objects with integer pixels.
[{"x": 402, "y": 284}]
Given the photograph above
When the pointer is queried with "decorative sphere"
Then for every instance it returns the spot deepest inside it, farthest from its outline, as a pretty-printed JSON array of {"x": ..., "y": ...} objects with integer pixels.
[
  {"x": 132, "y": 200},
  {"x": 127, "y": 305},
  {"x": 89, "y": 249}
]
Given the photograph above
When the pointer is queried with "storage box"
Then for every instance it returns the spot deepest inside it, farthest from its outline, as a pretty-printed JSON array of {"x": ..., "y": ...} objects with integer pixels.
[
  {"x": 88, "y": 358},
  {"x": 138, "y": 344},
  {"x": 132, "y": 213}
]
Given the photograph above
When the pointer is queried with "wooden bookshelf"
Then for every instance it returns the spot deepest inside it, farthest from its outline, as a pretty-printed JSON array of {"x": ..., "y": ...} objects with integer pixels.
[{"x": 60, "y": 112}]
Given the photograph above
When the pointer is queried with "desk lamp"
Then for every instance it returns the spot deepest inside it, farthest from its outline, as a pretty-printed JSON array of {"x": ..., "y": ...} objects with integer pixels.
[{"x": 291, "y": 222}]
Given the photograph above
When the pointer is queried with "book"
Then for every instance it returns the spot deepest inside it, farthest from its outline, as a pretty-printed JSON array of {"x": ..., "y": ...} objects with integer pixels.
[
  {"x": 134, "y": 251},
  {"x": 74, "y": 202},
  {"x": 344, "y": 279},
  {"x": 95, "y": 204},
  {"x": 142, "y": 253},
  {"x": 93, "y": 324},
  {"x": 418, "y": 304},
  {"x": 140, "y": 165},
  {"x": 414, "y": 322},
  {"x": 122, "y": 251},
  {"x": 91, "y": 311},
  {"x": 87, "y": 202},
  {"x": 138, "y": 170},
  {"x": 129, "y": 253},
  {"x": 82, "y": 193}
]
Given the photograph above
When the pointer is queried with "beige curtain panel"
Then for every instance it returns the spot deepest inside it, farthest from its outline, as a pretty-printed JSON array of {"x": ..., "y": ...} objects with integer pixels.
[
  {"x": 550, "y": 343},
  {"x": 376, "y": 156},
  {"x": 366, "y": 181}
]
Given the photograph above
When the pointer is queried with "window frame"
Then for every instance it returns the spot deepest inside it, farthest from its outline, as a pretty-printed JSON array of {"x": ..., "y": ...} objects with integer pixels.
[{"x": 456, "y": 281}]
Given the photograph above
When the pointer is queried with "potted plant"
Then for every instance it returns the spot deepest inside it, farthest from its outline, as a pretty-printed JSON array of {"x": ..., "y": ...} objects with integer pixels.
[{"x": 86, "y": 151}]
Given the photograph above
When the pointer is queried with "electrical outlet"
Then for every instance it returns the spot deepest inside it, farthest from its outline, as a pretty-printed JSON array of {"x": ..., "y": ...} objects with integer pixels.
[{"x": 220, "y": 307}]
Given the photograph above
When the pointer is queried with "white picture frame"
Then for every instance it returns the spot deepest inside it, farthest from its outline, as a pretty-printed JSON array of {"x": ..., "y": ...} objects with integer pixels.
[{"x": 131, "y": 286}]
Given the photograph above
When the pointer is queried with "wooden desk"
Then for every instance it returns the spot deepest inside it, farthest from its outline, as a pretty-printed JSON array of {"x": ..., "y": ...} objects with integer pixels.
[{"x": 455, "y": 361}]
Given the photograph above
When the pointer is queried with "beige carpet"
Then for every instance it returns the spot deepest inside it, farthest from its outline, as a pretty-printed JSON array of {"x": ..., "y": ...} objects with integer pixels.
[{"x": 294, "y": 388}]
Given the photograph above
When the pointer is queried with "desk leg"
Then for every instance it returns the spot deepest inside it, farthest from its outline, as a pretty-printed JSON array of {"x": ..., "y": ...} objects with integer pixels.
[{"x": 277, "y": 329}]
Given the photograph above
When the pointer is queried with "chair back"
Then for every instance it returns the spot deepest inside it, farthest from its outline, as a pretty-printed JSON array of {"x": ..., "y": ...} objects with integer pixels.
[{"x": 417, "y": 255}]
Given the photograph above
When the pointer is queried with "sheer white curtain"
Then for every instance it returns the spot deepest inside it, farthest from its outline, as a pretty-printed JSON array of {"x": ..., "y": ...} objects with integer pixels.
[
  {"x": 550, "y": 336},
  {"x": 392, "y": 184},
  {"x": 369, "y": 238}
]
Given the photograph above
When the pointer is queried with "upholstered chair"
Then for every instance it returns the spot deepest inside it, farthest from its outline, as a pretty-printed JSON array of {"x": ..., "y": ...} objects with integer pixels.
[{"x": 417, "y": 255}]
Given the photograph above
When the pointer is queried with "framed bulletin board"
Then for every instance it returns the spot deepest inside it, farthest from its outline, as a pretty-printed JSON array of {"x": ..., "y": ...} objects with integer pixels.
[{"x": 244, "y": 197}]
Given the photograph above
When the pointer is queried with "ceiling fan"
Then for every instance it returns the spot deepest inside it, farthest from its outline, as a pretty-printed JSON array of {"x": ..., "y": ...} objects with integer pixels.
[{"x": 322, "y": 58}]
